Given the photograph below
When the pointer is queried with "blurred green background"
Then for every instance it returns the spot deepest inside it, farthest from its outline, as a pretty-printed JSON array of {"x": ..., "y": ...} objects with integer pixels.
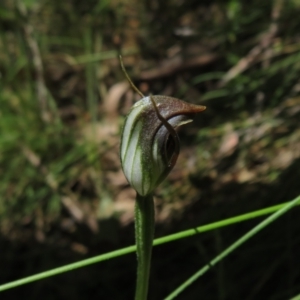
[{"x": 63, "y": 98}]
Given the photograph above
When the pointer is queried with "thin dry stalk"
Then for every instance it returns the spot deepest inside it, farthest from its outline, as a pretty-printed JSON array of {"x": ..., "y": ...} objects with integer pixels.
[
  {"x": 36, "y": 60},
  {"x": 264, "y": 43}
]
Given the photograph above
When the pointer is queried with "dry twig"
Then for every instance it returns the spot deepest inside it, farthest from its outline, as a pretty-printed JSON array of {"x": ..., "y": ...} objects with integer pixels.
[
  {"x": 168, "y": 67},
  {"x": 35, "y": 56},
  {"x": 264, "y": 43}
]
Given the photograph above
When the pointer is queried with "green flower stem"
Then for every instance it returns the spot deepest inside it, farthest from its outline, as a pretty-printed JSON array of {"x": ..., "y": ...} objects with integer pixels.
[{"x": 144, "y": 232}]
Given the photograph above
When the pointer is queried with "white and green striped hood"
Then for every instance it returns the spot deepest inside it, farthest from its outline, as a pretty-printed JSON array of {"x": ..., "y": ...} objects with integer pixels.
[{"x": 148, "y": 149}]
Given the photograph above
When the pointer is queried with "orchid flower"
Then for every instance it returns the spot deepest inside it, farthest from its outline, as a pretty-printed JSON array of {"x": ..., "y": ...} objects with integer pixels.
[{"x": 149, "y": 150}]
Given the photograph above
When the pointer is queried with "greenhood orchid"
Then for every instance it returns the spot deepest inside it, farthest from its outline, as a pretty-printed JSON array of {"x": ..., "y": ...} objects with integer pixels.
[
  {"x": 150, "y": 144},
  {"x": 149, "y": 150}
]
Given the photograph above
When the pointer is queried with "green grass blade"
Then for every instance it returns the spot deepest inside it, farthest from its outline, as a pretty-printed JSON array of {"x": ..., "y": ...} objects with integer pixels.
[
  {"x": 296, "y": 297},
  {"x": 68, "y": 268},
  {"x": 234, "y": 246},
  {"x": 159, "y": 241},
  {"x": 96, "y": 57}
]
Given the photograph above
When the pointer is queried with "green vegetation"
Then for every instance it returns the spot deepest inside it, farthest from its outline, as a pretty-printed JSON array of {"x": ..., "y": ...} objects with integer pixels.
[{"x": 63, "y": 98}]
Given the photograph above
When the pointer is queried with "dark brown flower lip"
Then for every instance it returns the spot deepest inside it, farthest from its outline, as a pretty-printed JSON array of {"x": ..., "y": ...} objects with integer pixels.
[{"x": 170, "y": 106}]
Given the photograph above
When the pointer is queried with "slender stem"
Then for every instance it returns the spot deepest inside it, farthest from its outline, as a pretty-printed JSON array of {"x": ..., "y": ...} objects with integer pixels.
[{"x": 144, "y": 232}]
